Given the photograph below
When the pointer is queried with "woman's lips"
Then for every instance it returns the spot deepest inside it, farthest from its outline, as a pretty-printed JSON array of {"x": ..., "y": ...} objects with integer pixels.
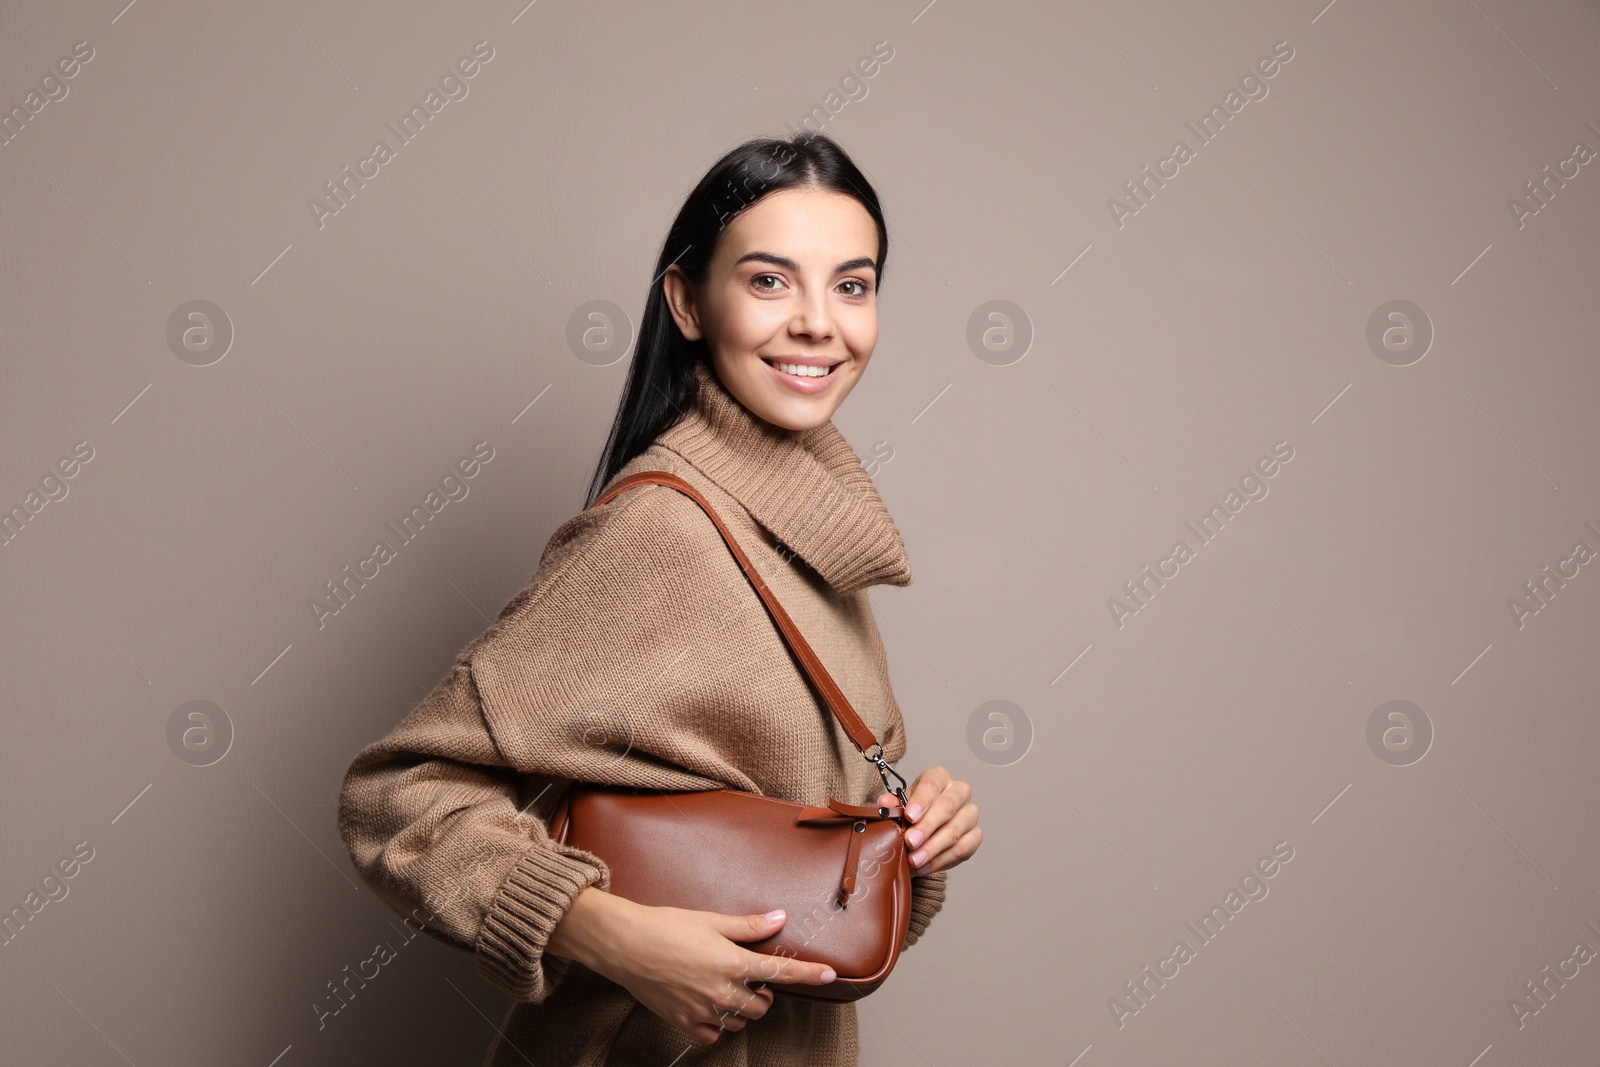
[{"x": 808, "y": 386}]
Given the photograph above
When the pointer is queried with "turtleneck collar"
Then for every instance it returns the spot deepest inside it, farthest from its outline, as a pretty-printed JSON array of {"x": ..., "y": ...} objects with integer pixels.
[{"x": 805, "y": 487}]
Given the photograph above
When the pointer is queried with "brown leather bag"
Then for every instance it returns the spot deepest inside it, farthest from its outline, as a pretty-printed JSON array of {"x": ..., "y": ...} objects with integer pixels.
[{"x": 840, "y": 871}]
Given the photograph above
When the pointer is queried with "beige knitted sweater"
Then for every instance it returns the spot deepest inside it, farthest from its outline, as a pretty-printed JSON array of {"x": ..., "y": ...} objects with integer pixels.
[{"x": 639, "y": 654}]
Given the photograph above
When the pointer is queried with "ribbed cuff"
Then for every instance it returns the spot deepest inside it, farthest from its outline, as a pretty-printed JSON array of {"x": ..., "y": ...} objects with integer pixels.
[
  {"x": 535, "y": 897},
  {"x": 927, "y": 897}
]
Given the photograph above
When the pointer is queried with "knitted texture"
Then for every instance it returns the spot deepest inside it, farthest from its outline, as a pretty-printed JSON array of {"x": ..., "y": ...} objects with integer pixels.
[{"x": 639, "y": 654}]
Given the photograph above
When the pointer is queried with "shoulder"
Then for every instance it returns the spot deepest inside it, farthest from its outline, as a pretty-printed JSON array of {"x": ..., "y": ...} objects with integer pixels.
[
  {"x": 649, "y": 546},
  {"x": 646, "y": 523},
  {"x": 643, "y": 513}
]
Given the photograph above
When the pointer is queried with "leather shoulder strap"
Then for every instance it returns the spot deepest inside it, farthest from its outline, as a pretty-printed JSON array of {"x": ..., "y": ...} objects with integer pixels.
[{"x": 832, "y": 695}]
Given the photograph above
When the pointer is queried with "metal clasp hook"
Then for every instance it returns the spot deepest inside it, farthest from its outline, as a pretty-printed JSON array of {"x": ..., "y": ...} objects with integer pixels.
[{"x": 884, "y": 771}]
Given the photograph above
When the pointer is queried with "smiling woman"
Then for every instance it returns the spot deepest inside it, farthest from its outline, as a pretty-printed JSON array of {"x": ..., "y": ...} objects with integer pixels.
[
  {"x": 640, "y": 655},
  {"x": 789, "y": 341},
  {"x": 789, "y": 277}
]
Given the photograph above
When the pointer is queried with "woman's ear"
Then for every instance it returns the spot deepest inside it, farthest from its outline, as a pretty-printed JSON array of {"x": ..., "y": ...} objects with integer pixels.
[{"x": 680, "y": 302}]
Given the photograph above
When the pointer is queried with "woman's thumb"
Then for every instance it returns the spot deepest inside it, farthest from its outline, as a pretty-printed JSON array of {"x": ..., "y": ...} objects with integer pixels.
[{"x": 752, "y": 927}]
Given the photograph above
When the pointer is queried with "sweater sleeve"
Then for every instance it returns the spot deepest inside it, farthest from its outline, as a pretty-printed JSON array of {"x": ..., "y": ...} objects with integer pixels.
[
  {"x": 927, "y": 897},
  {"x": 449, "y": 835},
  {"x": 447, "y": 816},
  {"x": 927, "y": 890}
]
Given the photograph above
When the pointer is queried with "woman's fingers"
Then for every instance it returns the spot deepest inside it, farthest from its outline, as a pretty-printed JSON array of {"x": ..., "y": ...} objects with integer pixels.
[
  {"x": 735, "y": 1009},
  {"x": 748, "y": 998},
  {"x": 755, "y": 926},
  {"x": 742, "y": 1006},
  {"x": 748, "y": 1006},
  {"x": 945, "y": 831},
  {"x": 731, "y": 1021},
  {"x": 933, "y": 798},
  {"x": 786, "y": 970},
  {"x": 940, "y": 807},
  {"x": 924, "y": 790},
  {"x": 741, "y": 995},
  {"x": 952, "y": 832},
  {"x": 759, "y": 967},
  {"x": 959, "y": 851}
]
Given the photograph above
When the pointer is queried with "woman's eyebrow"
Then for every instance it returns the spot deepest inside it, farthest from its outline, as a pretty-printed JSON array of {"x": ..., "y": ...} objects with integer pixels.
[{"x": 789, "y": 264}]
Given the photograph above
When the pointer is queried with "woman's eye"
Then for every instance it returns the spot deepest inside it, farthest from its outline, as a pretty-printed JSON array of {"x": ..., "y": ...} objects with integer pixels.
[{"x": 770, "y": 283}]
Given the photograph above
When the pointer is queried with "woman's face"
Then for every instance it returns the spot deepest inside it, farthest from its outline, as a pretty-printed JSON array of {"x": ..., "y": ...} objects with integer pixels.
[{"x": 792, "y": 281}]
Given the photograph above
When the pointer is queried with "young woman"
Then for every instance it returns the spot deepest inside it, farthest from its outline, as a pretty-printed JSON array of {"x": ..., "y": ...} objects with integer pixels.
[{"x": 639, "y": 654}]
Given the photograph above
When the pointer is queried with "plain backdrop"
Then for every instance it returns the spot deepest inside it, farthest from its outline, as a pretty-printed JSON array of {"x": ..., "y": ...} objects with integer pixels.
[{"x": 1379, "y": 261}]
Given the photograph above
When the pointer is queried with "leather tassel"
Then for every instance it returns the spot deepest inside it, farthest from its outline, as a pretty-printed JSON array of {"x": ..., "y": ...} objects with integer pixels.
[{"x": 852, "y": 857}]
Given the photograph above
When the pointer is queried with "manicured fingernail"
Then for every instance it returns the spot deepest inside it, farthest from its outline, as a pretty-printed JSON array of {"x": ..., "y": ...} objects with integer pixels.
[
  {"x": 919, "y": 857},
  {"x": 775, "y": 915},
  {"x": 829, "y": 975},
  {"x": 913, "y": 812},
  {"x": 914, "y": 838}
]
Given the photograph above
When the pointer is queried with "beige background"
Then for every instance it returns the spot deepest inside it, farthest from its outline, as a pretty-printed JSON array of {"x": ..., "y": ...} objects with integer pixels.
[{"x": 1229, "y": 313}]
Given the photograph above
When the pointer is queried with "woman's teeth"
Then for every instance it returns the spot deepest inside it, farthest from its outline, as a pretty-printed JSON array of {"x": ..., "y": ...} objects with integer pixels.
[{"x": 801, "y": 370}]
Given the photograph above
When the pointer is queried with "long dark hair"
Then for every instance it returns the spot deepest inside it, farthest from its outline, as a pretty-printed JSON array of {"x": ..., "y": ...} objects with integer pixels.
[{"x": 661, "y": 384}]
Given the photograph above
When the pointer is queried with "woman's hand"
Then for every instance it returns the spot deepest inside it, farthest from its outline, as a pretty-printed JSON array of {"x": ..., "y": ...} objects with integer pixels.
[
  {"x": 687, "y": 967},
  {"x": 944, "y": 830}
]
